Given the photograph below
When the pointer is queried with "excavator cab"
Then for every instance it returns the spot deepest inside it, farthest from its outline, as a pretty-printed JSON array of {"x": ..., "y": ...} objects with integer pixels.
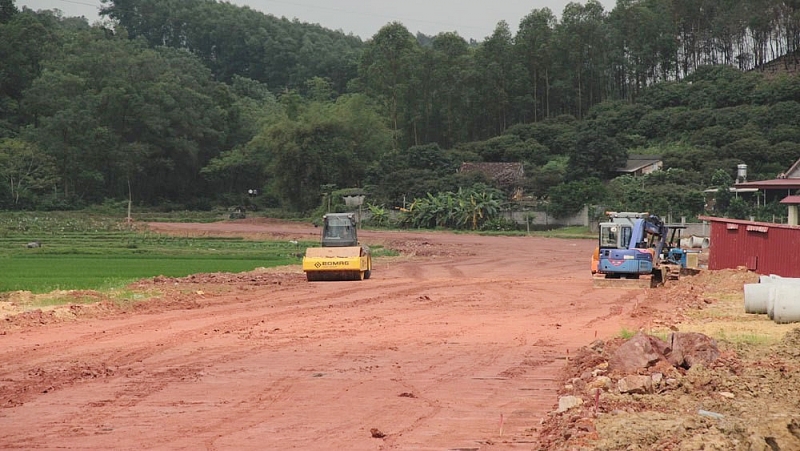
[
  {"x": 615, "y": 236},
  {"x": 623, "y": 249}
]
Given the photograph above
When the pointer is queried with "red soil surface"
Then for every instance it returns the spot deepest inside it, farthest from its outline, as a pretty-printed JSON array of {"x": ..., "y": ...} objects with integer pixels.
[{"x": 458, "y": 344}]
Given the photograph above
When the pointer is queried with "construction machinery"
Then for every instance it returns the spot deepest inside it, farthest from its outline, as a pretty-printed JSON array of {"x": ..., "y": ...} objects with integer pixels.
[
  {"x": 636, "y": 246},
  {"x": 340, "y": 256}
]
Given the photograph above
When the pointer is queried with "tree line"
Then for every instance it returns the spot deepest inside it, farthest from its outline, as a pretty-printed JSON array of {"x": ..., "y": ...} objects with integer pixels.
[{"x": 195, "y": 102}]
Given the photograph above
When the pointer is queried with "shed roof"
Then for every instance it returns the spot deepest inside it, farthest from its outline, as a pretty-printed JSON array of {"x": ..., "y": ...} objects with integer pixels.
[
  {"x": 787, "y": 180},
  {"x": 787, "y": 183},
  {"x": 746, "y": 222},
  {"x": 637, "y": 162},
  {"x": 506, "y": 173},
  {"x": 791, "y": 200}
]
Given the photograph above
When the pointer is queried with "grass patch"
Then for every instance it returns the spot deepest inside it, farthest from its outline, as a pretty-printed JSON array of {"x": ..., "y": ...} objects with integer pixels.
[
  {"x": 47, "y": 272},
  {"x": 381, "y": 251},
  {"x": 575, "y": 232},
  {"x": 626, "y": 334},
  {"x": 726, "y": 321},
  {"x": 752, "y": 330},
  {"x": 75, "y": 251}
]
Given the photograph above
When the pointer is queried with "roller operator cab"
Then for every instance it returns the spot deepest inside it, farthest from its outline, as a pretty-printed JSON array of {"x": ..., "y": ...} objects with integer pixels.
[{"x": 340, "y": 256}]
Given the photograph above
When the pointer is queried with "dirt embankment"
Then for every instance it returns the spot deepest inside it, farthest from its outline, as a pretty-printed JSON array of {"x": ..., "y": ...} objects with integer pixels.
[
  {"x": 460, "y": 343},
  {"x": 747, "y": 399}
]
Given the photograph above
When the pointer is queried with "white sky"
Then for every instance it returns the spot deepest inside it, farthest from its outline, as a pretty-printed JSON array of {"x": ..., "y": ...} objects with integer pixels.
[{"x": 472, "y": 19}]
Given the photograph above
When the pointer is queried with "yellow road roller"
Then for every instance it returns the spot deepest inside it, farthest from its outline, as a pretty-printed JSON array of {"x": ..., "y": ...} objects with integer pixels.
[{"x": 341, "y": 257}]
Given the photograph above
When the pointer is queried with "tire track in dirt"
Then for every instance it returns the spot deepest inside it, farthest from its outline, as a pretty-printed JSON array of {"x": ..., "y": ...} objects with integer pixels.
[{"x": 470, "y": 337}]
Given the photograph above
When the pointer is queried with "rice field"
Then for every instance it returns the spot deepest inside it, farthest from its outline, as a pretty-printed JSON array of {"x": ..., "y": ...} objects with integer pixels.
[{"x": 42, "y": 252}]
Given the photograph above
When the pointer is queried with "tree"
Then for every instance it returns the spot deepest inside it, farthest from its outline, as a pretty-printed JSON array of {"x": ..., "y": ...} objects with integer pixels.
[
  {"x": 233, "y": 40},
  {"x": 534, "y": 41},
  {"x": 595, "y": 154},
  {"x": 328, "y": 143},
  {"x": 385, "y": 70},
  {"x": 112, "y": 112},
  {"x": 568, "y": 198},
  {"x": 7, "y": 10},
  {"x": 582, "y": 45},
  {"x": 450, "y": 59},
  {"x": 499, "y": 72},
  {"x": 723, "y": 183},
  {"x": 25, "y": 169},
  {"x": 25, "y": 41}
]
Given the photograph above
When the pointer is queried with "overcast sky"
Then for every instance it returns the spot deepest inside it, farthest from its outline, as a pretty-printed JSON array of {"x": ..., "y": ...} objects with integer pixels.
[{"x": 472, "y": 19}]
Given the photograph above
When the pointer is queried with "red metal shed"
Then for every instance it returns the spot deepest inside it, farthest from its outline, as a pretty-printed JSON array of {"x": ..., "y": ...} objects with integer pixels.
[{"x": 763, "y": 247}]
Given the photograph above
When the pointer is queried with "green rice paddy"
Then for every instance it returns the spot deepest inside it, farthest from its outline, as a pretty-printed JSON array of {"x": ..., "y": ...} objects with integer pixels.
[{"x": 88, "y": 252}]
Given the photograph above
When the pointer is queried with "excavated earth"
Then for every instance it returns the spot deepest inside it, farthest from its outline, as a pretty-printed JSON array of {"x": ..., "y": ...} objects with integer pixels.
[{"x": 463, "y": 342}]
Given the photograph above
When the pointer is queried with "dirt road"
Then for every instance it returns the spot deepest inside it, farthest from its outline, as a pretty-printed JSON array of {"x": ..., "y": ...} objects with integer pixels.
[{"x": 456, "y": 345}]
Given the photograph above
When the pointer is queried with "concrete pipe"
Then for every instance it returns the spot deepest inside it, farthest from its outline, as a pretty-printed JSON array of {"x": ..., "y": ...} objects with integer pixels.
[
  {"x": 778, "y": 279},
  {"x": 756, "y": 296},
  {"x": 700, "y": 242},
  {"x": 786, "y": 306},
  {"x": 771, "y": 304}
]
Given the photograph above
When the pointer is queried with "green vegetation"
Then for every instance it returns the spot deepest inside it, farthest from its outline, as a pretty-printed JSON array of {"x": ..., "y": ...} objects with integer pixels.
[
  {"x": 573, "y": 232},
  {"x": 626, "y": 334},
  {"x": 45, "y": 252},
  {"x": 47, "y": 272},
  {"x": 167, "y": 106}
]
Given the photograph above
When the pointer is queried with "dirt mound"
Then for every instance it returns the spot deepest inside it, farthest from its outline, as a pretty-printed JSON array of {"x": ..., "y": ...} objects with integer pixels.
[
  {"x": 745, "y": 400},
  {"x": 157, "y": 294}
]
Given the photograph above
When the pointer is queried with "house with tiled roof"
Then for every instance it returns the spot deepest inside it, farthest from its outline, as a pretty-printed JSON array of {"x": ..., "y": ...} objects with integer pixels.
[
  {"x": 508, "y": 176},
  {"x": 637, "y": 165}
]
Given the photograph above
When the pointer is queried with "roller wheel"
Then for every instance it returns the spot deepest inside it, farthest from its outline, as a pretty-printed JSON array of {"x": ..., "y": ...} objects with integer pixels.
[{"x": 367, "y": 273}]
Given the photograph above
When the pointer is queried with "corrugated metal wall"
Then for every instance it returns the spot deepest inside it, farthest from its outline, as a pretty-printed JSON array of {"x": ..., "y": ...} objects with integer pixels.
[{"x": 761, "y": 247}]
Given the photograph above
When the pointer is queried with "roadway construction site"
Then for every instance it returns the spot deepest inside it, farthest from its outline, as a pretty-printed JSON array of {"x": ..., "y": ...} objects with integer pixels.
[{"x": 461, "y": 342}]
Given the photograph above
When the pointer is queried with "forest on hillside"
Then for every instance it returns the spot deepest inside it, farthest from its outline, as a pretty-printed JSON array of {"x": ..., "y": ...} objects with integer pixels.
[{"x": 193, "y": 103}]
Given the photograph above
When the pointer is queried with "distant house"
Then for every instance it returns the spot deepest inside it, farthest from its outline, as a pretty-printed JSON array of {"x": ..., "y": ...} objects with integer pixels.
[
  {"x": 508, "y": 176},
  {"x": 637, "y": 165},
  {"x": 783, "y": 185},
  {"x": 783, "y": 188},
  {"x": 763, "y": 247}
]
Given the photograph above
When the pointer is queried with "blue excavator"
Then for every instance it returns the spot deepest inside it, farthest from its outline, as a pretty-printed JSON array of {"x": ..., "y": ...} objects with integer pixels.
[{"x": 632, "y": 245}]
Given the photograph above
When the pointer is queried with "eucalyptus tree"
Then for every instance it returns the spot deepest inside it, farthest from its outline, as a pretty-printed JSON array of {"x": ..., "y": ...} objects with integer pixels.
[
  {"x": 385, "y": 69},
  {"x": 534, "y": 43},
  {"x": 583, "y": 49},
  {"x": 760, "y": 28},
  {"x": 645, "y": 37},
  {"x": 498, "y": 71},
  {"x": 451, "y": 58}
]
